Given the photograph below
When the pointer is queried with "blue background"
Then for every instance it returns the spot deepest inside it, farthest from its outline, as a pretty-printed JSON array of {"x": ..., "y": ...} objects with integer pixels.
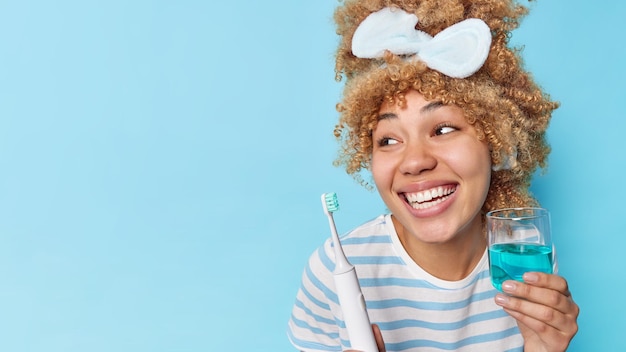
[{"x": 161, "y": 166}]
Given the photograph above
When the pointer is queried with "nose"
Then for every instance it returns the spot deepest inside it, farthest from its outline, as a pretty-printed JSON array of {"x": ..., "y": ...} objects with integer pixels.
[{"x": 416, "y": 159}]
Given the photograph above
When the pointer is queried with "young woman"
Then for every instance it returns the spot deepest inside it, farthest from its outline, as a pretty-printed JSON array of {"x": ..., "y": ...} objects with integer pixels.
[{"x": 439, "y": 109}]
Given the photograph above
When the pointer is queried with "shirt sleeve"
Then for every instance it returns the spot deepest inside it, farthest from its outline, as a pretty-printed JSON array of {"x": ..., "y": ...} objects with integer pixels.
[{"x": 313, "y": 325}]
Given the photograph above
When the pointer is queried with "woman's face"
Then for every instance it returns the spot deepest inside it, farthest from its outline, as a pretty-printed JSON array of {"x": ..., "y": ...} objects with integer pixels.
[{"x": 430, "y": 168}]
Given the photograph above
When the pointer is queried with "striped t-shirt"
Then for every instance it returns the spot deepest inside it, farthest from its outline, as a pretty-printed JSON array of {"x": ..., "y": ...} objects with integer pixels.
[{"x": 414, "y": 310}]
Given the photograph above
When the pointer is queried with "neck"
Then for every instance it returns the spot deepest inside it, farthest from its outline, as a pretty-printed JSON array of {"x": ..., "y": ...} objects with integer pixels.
[{"x": 452, "y": 260}]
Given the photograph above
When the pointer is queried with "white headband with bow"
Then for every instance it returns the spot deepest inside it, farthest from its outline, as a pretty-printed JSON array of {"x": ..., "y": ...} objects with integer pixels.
[{"x": 458, "y": 51}]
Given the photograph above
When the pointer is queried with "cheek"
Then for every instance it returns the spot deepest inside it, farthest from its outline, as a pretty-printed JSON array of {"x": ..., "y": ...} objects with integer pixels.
[
  {"x": 474, "y": 161},
  {"x": 381, "y": 170},
  {"x": 482, "y": 170}
]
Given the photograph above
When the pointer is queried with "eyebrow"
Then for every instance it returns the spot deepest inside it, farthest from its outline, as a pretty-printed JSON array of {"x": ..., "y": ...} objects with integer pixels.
[
  {"x": 387, "y": 116},
  {"x": 433, "y": 105}
]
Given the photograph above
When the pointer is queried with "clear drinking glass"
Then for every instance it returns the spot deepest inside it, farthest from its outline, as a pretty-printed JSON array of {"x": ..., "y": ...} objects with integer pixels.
[{"x": 519, "y": 241}]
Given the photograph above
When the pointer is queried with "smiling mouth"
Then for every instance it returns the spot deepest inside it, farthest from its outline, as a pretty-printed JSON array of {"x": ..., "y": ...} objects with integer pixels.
[{"x": 429, "y": 198}]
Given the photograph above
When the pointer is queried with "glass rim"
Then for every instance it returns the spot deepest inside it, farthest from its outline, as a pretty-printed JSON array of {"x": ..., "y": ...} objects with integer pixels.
[{"x": 536, "y": 213}]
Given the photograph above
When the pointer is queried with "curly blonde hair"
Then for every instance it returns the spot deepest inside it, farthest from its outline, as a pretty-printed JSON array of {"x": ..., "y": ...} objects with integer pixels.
[{"x": 507, "y": 109}]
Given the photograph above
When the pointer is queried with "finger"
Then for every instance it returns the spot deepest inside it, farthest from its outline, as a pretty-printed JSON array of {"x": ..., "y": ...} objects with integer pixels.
[
  {"x": 379, "y": 338},
  {"x": 551, "y": 314},
  {"x": 551, "y": 281},
  {"x": 543, "y": 304},
  {"x": 560, "y": 300},
  {"x": 532, "y": 313}
]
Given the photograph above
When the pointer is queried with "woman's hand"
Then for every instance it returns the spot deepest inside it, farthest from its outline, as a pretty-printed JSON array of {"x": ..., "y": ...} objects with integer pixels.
[
  {"x": 544, "y": 310},
  {"x": 379, "y": 340}
]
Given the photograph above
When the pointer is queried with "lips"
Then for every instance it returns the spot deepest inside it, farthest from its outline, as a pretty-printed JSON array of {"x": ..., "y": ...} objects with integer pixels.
[{"x": 429, "y": 198}]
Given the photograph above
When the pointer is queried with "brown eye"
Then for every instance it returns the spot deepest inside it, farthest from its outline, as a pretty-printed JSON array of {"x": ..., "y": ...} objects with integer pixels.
[
  {"x": 385, "y": 141},
  {"x": 444, "y": 129}
]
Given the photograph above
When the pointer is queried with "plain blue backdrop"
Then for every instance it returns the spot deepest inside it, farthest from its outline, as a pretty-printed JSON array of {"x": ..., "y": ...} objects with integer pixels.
[{"x": 162, "y": 161}]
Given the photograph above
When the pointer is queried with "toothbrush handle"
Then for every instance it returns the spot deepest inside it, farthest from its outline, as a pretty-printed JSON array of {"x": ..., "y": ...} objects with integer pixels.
[{"x": 354, "y": 312}]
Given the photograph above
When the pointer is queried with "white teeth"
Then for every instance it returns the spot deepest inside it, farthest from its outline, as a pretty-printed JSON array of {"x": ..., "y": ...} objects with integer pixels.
[
  {"x": 424, "y": 199},
  {"x": 418, "y": 198}
]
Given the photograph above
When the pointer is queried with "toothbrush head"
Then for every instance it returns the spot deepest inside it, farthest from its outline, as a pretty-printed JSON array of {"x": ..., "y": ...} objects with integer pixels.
[{"x": 330, "y": 202}]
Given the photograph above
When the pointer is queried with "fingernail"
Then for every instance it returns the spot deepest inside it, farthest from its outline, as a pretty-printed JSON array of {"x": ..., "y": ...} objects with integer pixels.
[
  {"x": 508, "y": 286},
  {"x": 531, "y": 277},
  {"x": 502, "y": 299}
]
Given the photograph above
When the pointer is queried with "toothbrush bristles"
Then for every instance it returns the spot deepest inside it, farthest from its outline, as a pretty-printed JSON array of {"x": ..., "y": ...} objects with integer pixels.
[{"x": 332, "y": 204}]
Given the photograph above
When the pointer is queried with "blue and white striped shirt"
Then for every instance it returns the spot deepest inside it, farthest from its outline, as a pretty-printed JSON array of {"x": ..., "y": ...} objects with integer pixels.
[{"x": 414, "y": 310}]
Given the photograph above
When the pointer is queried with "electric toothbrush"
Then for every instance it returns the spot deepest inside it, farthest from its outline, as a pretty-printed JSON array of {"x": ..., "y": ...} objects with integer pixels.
[{"x": 348, "y": 290}]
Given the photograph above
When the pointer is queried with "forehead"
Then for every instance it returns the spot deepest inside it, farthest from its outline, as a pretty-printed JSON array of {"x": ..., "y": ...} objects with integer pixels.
[{"x": 414, "y": 105}]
